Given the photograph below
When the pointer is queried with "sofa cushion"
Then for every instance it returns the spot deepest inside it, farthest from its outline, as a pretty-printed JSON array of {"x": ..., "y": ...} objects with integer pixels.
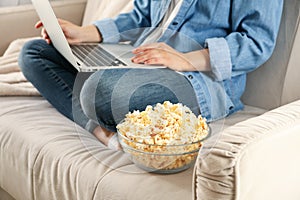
[{"x": 46, "y": 156}]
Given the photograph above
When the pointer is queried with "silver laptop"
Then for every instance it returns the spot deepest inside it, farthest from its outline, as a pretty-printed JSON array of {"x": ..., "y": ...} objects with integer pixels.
[{"x": 85, "y": 57}]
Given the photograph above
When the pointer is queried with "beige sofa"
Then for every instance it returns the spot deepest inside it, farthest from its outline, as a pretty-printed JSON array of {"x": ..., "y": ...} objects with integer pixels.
[{"x": 252, "y": 155}]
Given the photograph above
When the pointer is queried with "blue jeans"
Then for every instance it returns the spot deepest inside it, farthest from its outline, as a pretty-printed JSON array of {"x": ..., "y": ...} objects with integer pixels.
[{"x": 104, "y": 97}]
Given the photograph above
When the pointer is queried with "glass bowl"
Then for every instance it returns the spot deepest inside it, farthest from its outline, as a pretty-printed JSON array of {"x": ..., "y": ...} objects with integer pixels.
[{"x": 163, "y": 159}]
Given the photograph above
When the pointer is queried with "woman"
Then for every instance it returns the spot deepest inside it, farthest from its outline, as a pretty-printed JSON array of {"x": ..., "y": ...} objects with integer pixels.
[{"x": 238, "y": 36}]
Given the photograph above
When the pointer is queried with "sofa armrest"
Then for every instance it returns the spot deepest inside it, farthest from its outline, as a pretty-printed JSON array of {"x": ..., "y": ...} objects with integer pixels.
[
  {"x": 18, "y": 21},
  {"x": 255, "y": 159}
]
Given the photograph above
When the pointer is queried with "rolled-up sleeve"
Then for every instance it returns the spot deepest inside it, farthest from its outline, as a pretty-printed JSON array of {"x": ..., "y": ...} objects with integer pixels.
[
  {"x": 220, "y": 60},
  {"x": 109, "y": 30}
]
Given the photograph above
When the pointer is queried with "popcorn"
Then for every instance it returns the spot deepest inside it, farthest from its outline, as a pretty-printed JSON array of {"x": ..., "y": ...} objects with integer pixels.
[
  {"x": 165, "y": 124},
  {"x": 171, "y": 132}
]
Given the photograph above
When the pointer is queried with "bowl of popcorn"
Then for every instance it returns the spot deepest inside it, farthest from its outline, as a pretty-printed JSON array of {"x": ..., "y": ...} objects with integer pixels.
[{"x": 164, "y": 138}]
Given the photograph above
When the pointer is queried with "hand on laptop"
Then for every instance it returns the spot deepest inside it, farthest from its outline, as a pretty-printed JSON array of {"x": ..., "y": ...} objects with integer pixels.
[
  {"x": 163, "y": 54},
  {"x": 73, "y": 33}
]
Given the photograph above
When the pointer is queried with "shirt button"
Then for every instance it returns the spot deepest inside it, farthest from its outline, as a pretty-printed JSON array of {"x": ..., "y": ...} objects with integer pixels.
[
  {"x": 190, "y": 77},
  {"x": 175, "y": 23}
]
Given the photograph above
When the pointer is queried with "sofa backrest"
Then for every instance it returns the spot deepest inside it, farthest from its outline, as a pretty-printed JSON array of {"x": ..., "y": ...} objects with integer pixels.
[
  {"x": 277, "y": 82},
  {"x": 99, "y": 9}
]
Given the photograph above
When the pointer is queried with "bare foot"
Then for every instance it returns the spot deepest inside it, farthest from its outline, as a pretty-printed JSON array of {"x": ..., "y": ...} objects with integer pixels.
[{"x": 104, "y": 136}]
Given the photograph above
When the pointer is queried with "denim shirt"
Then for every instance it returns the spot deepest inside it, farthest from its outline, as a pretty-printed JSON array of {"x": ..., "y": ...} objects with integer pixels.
[{"x": 239, "y": 34}]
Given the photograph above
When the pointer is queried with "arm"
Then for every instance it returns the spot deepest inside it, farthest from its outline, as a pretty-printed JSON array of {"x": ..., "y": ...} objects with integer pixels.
[
  {"x": 251, "y": 42},
  {"x": 251, "y": 39},
  {"x": 74, "y": 34}
]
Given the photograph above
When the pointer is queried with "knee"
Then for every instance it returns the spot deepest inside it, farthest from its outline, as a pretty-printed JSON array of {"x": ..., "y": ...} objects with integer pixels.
[
  {"x": 87, "y": 96},
  {"x": 95, "y": 99},
  {"x": 28, "y": 55}
]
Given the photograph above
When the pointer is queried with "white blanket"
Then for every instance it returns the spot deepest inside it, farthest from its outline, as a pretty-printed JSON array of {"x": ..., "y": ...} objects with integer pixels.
[{"x": 12, "y": 81}]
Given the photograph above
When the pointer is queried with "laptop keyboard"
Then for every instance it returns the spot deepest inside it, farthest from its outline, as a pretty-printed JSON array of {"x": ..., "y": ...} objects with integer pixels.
[{"x": 94, "y": 55}]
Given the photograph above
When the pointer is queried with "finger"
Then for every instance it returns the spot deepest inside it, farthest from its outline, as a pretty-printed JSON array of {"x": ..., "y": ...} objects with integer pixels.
[
  {"x": 45, "y": 36},
  {"x": 44, "y": 33},
  {"x": 146, "y": 55},
  {"x": 39, "y": 24},
  {"x": 141, "y": 56},
  {"x": 48, "y": 41},
  {"x": 156, "y": 61}
]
